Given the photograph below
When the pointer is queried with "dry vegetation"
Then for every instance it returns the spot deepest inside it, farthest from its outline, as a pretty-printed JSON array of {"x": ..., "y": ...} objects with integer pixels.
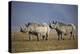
[{"x": 20, "y": 43}]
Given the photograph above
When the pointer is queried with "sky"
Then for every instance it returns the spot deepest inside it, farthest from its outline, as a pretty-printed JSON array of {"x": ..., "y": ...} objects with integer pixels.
[{"x": 23, "y": 12}]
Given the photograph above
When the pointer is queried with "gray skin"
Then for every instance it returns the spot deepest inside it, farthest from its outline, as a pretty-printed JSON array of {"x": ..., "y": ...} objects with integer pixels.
[
  {"x": 31, "y": 30},
  {"x": 63, "y": 29}
]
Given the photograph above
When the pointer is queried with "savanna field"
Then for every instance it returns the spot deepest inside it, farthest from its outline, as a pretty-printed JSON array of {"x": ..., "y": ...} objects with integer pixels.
[{"x": 21, "y": 43}]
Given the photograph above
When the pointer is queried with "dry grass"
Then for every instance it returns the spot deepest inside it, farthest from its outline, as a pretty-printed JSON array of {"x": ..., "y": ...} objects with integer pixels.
[{"x": 20, "y": 43}]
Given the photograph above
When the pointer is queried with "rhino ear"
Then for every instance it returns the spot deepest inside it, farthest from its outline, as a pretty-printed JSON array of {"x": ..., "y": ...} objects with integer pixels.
[{"x": 27, "y": 24}]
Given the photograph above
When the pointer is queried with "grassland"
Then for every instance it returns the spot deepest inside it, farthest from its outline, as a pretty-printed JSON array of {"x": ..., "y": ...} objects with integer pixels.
[{"x": 20, "y": 43}]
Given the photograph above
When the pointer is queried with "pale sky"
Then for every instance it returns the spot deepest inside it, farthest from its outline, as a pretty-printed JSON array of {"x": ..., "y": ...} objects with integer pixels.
[{"x": 23, "y": 12}]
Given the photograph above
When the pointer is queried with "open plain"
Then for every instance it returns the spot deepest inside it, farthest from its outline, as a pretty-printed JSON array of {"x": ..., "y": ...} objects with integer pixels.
[{"x": 20, "y": 43}]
